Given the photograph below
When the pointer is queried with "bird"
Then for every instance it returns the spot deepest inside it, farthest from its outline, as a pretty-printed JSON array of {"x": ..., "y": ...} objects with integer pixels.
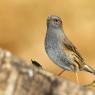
[{"x": 61, "y": 50}]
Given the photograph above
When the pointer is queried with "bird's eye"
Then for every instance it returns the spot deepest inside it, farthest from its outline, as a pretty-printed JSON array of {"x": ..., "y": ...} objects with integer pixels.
[{"x": 56, "y": 20}]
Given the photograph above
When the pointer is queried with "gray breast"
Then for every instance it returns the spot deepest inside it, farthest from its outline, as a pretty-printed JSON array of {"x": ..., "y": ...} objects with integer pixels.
[{"x": 55, "y": 53}]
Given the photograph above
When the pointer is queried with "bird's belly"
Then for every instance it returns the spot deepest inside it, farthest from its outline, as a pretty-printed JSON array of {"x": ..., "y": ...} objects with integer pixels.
[
  {"x": 53, "y": 54},
  {"x": 58, "y": 56}
]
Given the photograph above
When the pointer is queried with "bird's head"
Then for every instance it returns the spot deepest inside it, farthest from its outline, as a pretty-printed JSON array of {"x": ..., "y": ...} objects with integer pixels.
[{"x": 54, "y": 21}]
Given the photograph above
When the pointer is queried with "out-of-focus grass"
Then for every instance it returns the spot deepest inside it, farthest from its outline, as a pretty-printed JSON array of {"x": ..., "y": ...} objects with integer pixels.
[{"x": 23, "y": 29}]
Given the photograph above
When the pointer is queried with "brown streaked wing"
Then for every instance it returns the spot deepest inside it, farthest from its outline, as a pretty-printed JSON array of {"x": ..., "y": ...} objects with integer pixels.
[{"x": 72, "y": 48}]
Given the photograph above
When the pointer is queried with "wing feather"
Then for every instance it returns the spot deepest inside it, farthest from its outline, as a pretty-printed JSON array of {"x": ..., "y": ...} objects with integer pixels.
[{"x": 69, "y": 46}]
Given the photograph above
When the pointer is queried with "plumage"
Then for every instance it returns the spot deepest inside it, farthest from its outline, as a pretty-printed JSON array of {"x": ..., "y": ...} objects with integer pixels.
[{"x": 61, "y": 50}]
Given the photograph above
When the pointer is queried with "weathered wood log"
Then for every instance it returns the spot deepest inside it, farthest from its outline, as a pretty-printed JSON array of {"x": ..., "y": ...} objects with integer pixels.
[{"x": 18, "y": 77}]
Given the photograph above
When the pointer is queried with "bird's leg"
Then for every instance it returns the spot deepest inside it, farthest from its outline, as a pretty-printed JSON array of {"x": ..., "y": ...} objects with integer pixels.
[
  {"x": 77, "y": 78},
  {"x": 61, "y": 72}
]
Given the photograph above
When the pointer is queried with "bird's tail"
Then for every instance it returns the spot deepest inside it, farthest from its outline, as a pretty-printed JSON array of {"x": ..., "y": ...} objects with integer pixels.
[{"x": 89, "y": 69}]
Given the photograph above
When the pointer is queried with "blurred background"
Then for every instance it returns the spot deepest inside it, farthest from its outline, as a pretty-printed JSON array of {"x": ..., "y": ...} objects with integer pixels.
[{"x": 23, "y": 29}]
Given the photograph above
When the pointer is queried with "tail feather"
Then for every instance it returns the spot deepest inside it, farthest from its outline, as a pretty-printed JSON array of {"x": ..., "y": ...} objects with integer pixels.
[{"x": 89, "y": 69}]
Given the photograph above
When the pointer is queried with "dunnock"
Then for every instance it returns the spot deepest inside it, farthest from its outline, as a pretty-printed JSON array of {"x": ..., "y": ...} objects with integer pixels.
[{"x": 60, "y": 50}]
